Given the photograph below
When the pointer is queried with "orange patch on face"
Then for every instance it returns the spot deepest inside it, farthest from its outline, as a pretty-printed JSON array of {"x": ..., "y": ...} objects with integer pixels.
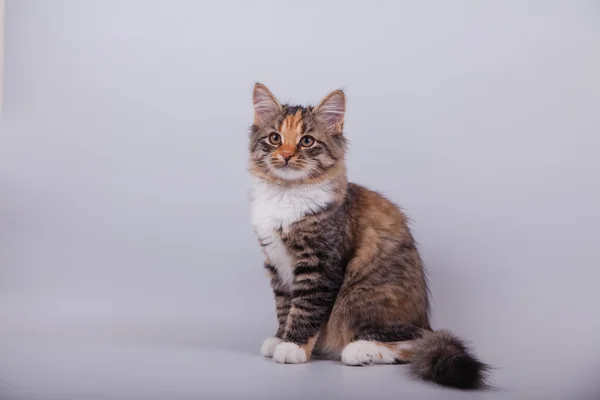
[{"x": 290, "y": 129}]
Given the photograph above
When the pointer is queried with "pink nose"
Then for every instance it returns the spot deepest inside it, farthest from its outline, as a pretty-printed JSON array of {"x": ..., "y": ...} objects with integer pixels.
[{"x": 286, "y": 155}]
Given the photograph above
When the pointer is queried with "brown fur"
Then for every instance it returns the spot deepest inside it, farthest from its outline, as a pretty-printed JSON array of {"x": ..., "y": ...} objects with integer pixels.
[
  {"x": 401, "y": 349},
  {"x": 364, "y": 289},
  {"x": 309, "y": 346}
]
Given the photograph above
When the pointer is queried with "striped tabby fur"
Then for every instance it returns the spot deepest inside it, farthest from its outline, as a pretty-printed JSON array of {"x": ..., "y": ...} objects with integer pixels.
[{"x": 347, "y": 278}]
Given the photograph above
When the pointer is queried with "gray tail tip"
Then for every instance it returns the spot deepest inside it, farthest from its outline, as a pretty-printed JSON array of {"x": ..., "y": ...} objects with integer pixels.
[{"x": 445, "y": 359}]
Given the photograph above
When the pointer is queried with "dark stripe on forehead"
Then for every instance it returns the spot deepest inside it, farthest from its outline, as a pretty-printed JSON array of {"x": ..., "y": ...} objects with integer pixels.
[
  {"x": 307, "y": 122},
  {"x": 292, "y": 110}
]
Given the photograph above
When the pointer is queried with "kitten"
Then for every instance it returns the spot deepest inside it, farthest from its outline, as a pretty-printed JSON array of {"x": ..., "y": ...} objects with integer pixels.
[{"x": 347, "y": 277}]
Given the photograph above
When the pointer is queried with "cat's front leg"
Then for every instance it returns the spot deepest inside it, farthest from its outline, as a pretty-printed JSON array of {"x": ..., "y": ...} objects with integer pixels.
[
  {"x": 282, "y": 305},
  {"x": 313, "y": 295}
]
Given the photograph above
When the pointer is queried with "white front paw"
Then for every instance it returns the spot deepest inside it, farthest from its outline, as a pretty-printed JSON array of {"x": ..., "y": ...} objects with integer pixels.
[
  {"x": 268, "y": 347},
  {"x": 289, "y": 353}
]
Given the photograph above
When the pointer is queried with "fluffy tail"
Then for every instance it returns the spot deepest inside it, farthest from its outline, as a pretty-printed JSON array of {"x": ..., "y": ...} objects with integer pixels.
[{"x": 443, "y": 358}]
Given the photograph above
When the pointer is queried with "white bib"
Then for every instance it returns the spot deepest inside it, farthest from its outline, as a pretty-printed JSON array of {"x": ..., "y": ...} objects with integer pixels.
[{"x": 274, "y": 207}]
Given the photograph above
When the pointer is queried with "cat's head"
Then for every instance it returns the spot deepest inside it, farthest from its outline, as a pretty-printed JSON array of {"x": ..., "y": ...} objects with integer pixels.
[{"x": 295, "y": 144}]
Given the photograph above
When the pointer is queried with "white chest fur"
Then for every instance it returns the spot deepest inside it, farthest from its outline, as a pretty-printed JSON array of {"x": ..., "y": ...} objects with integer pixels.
[{"x": 274, "y": 207}]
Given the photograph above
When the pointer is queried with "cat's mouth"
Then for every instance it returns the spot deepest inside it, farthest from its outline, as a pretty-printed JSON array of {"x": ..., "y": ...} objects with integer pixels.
[
  {"x": 289, "y": 166},
  {"x": 289, "y": 172}
]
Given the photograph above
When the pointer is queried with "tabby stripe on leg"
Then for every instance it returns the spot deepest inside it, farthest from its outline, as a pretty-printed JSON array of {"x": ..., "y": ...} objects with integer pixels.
[
  {"x": 280, "y": 293},
  {"x": 303, "y": 292},
  {"x": 305, "y": 269},
  {"x": 310, "y": 307},
  {"x": 282, "y": 301}
]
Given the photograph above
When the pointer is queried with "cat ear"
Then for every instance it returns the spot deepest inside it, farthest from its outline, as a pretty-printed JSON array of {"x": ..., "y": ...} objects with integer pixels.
[
  {"x": 330, "y": 111},
  {"x": 266, "y": 105}
]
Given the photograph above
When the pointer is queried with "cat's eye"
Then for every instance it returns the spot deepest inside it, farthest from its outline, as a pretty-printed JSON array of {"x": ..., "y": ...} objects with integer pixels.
[
  {"x": 275, "y": 138},
  {"x": 307, "y": 141}
]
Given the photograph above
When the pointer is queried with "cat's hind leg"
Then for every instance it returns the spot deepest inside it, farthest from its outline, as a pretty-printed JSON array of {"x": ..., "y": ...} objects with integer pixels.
[
  {"x": 365, "y": 352},
  {"x": 382, "y": 344}
]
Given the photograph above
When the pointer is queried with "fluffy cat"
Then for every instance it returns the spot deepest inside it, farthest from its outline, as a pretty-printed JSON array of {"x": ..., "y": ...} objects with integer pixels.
[{"x": 347, "y": 278}]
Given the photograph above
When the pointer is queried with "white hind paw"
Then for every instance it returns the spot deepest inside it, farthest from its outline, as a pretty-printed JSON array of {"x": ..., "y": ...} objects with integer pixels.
[
  {"x": 363, "y": 352},
  {"x": 268, "y": 347}
]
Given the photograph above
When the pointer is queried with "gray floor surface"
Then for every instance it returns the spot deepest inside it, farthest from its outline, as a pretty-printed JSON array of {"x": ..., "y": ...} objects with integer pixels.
[{"x": 151, "y": 363}]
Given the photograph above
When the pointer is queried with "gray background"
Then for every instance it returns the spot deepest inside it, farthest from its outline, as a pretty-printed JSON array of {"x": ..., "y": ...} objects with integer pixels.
[{"x": 128, "y": 267}]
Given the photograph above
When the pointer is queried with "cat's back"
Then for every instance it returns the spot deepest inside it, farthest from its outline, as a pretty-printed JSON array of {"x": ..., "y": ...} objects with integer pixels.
[{"x": 375, "y": 214}]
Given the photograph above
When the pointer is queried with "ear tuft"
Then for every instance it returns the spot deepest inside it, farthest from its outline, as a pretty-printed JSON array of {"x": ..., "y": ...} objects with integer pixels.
[
  {"x": 265, "y": 104},
  {"x": 330, "y": 112}
]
